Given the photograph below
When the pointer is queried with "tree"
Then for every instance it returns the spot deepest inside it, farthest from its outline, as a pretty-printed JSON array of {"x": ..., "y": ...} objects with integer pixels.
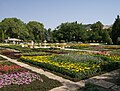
[
  {"x": 36, "y": 30},
  {"x": 48, "y": 35},
  {"x": 115, "y": 34},
  {"x": 97, "y": 26},
  {"x": 96, "y": 30},
  {"x": 1, "y": 34},
  {"x": 70, "y": 32},
  {"x": 2, "y": 37},
  {"x": 13, "y": 27},
  {"x": 106, "y": 37}
]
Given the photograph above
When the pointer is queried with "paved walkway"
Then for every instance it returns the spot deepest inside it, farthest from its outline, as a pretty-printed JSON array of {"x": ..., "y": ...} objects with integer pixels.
[
  {"x": 79, "y": 50},
  {"x": 107, "y": 81},
  {"x": 101, "y": 80}
]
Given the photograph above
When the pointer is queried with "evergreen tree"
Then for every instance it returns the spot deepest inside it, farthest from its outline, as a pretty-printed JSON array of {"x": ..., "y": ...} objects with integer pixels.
[{"x": 116, "y": 31}]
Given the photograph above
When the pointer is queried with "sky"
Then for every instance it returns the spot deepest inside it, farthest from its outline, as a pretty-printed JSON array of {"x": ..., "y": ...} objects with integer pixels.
[{"x": 54, "y": 12}]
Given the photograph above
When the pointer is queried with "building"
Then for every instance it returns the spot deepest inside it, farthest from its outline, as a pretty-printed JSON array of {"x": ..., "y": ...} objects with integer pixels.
[{"x": 13, "y": 40}]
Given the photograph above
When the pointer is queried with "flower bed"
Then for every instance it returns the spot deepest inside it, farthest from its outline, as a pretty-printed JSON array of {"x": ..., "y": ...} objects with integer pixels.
[
  {"x": 16, "y": 55},
  {"x": 17, "y": 78},
  {"x": 79, "y": 46},
  {"x": 77, "y": 66},
  {"x": 14, "y": 74},
  {"x": 95, "y": 47},
  {"x": 115, "y": 58},
  {"x": 10, "y": 53},
  {"x": 116, "y": 52},
  {"x": 17, "y": 47},
  {"x": 10, "y": 68},
  {"x": 34, "y": 53}
]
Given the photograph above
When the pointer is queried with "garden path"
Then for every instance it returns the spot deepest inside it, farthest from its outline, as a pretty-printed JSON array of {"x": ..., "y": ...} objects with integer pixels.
[
  {"x": 110, "y": 80},
  {"x": 79, "y": 50}
]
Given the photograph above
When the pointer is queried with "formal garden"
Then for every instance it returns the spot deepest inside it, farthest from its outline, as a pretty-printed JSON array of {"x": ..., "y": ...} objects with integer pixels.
[
  {"x": 74, "y": 65},
  {"x": 72, "y": 51}
]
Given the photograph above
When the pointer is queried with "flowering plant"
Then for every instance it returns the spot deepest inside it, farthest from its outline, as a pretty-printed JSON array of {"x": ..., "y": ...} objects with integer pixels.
[
  {"x": 74, "y": 65},
  {"x": 18, "y": 78},
  {"x": 10, "y": 68}
]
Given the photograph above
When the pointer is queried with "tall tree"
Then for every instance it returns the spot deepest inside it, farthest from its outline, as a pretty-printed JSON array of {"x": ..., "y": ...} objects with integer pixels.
[
  {"x": 106, "y": 37},
  {"x": 36, "y": 30},
  {"x": 1, "y": 34},
  {"x": 13, "y": 27},
  {"x": 2, "y": 37},
  {"x": 97, "y": 26},
  {"x": 96, "y": 29},
  {"x": 70, "y": 32},
  {"x": 116, "y": 31},
  {"x": 48, "y": 35}
]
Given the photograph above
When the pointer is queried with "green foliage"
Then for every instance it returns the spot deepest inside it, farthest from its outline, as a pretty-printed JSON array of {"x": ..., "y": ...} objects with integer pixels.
[
  {"x": 48, "y": 35},
  {"x": 70, "y": 32},
  {"x": 97, "y": 26},
  {"x": 74, "y": 31},
  {"x": 36, "y": 30},
  {"x": 109, "y": 41},
  {"x": 115, "y": 52},
  {"x": 13, "y": 27},
  {"x": 1, "y": 34},
  {"x": 116, "y": 31},
  {"x": 17, "y": 47},
  {"x": 65, "y": 32},
  {"x": 2, "y": 37},
  {"x": 75, "y": 66},
  {"x": 97, "y": 32}
]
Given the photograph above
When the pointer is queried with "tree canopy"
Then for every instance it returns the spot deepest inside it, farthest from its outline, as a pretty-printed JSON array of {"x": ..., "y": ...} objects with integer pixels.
[
  {"x": 97, "y": 26},
  {"x": 116, "y": 31},
  {"x": 13, "y": 27},
  {"x": 36, "y": 30},
  {"x": 70, "y": 32},
  {"x": 65, "y": 32}
]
